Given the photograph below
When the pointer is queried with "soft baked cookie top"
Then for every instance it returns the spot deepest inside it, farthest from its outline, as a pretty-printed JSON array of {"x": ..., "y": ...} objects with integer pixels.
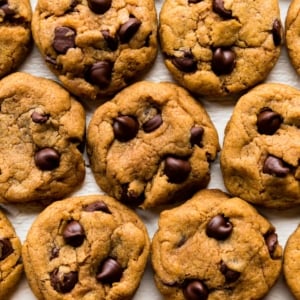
[
  {"x": 96, "y": 47},
  {"x": 216, "y": 47}
]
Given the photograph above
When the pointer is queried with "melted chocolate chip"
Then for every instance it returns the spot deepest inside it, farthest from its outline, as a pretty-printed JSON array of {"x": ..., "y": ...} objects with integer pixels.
[
  {"x": 268, "y": 121},
  {"x": 111, "y": 41},
  {"x": 152, "y": 124},
  {"x": 47, "y": 159},
  {"x": 128, "y": 29},
  {"x": 177, "y": 169},
  {"x": 272, "y": 242},
  {"x": 125, "y": 128},
  {"x": 196, "y": 136},
  {"x": 275, "y": 166},
  {"x": 219, "y": 228},
  {"x": 73, "y": 234},
  {"x": 64, "y": 39},
  {"x": 100, "y": 73},
  {"x": 218, "y": 7},
  {"x": 54, "y": 252},
  {"x": 8, "y": 12},
  {"x": 276, "y": 32},
  {"x": 99, "y": 6},
  {"x": 130, "y": 198},
  {"x": 230, "y": 275},
  {"x": 97, "y": 206},
  {"x": 195, "y": 290},
  {"x": 110, "y": 271},
  {"x": 186, "y": 64},
  {"x": 5, "y": 248},
  {"x": 194, "y": 1},
  {"x": 223, "y": 61},
  {"x": 39, "y": 118},
  {"x": 63, "y": 282}
]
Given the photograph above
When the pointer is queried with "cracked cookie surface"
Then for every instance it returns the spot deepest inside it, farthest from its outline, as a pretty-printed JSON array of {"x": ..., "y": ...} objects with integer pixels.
[
  {"x": 11, "y": 266},
  {"x": 88, "y": 247},
  {"x": 151, "y": 145},
  {"x": 215, "y": 247},
  {"x": 94, "y": 47},
  {"x": 15, "y": 19},
  {"x": 261, "y": 151},
  {"x": 41, "y": 129},
  {"x": 218, "y": 48}
]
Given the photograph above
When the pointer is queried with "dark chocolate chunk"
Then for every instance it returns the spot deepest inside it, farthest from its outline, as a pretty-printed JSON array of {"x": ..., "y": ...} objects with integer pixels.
[
  {"x": 196, "y": 136},
  {"x": 195, "y": 290},
  {"x": 223, "y": 61},
  {"x": 271, "y": 242},
  {"x": 97, "y": 206},
  {"x": 186, "y": 63},
  {"x": 100, "y": 73},
  {"x": 275, "y": 166},
  {"x": 219, "y": 228},
  {"x": 110, "y": 271},
  {"x": 177, "y": 169},
  {"x": 64, "y": 39},
  {"x": 54, "y": 252},
  {"x": 111, "y": 41},
  {"x": 47, "y": 159},
  {"x": 153, "y": 123},
  {"x": 99, "y": 6},
  {"x": 277, "y": 32},
  {"x": 73, "y": 234},
  {"x": 63, "y": 282},
  {"x": 130, "y": 198},
  {"x": 128, "y": 29},
  {"x": 218, "y": 7},
  {"x": 39, "y": 118},
  {"x": 268, "y": 121},
  {"x": 125, "y": 128},
  {"x": 5, "y": 248},
  {"x": 8, "y": 12},
  {"x": 194, "y": 1},
  {"x": 230, "y": 275}
]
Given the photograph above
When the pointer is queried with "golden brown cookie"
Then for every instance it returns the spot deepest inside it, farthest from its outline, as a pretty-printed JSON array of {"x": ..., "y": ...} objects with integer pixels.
[
  {"x": 215, "y": 247},
  {"x": 89, "y": 247}
]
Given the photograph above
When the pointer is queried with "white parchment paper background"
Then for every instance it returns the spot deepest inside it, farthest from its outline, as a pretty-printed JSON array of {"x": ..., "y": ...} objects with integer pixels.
[{"x": 285, "y": 221}]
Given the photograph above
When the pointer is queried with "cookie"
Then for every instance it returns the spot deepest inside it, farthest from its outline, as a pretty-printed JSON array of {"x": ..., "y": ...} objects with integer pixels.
[
  {"x": 11, "y": 266},
  {"x": 15, "y": 34},
  {"x": 291, "y": 268},
  {"x": 96, "y": 47},
  {"x": 41, "y": 134},
  {"x": 87, "y": 247},
  {"x": 224, "y": 47},
  {"x": 215, "y": 247},
  {"x": 152, "y": 144},
  {"x": 261, "y": 150}
]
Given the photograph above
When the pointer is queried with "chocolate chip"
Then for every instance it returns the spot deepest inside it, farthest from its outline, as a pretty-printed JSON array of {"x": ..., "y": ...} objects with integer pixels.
[
  {"x": 272, "y": 242},
  {"x": 110, "y": 271},
  {"x": 276, "y": 32},
  {"x": 218, "y": 7},
  {"x": 152, "y": 124},
  {"x": 54, "y": 252},
  {"x": 112, "y": 42},
  {"x": 195, "y": 290},
  {"x": 63, "y": 282},
  {"x": 73, "y": 234},
  {"x": 219, "y": 228},
  {"x": 8, "y": 12},
  {"x": 39, "y": 118},
  {"x": 230, "y": 275},
  {"x": 186, "y": 64},
  {"x": 97, "y": 206},
  {"x": 196, "y": 136},
  {"x": 275, "y": 166},
  {"x": 99, "y": 6},
  {"x": 128, "y": 29},
  {"x": 177, "y": 169},
  {"x": 125, "y": 128},
  {"x": 223, "y": 61},
  {"x": 64, "y": 39},
  {"x": 194, "y": 1},
  {"x": 47, "y": 159},
  {"x": 130, "y": 198},
  {"x": 268, "y": 121},
  {"x": 5, "y": 248},
  {"x": 100, "y": 73}
]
